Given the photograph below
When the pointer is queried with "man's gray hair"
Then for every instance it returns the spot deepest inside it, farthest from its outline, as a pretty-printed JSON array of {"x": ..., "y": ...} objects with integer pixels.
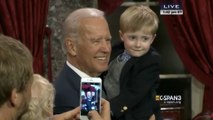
[{"x": 72, "y": 22}]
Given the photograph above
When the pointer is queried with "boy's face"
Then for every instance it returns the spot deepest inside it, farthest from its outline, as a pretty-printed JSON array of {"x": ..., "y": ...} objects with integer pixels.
[{"x": 137, "y": 43}]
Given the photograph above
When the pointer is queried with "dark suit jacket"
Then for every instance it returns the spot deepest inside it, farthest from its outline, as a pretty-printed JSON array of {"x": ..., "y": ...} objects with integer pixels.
[
  {"x": 138, "y": 81},
  {"x": 67, "y": 87}
]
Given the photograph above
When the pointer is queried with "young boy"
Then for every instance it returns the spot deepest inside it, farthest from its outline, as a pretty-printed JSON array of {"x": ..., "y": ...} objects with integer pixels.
[{"x": 133, "y": 73}]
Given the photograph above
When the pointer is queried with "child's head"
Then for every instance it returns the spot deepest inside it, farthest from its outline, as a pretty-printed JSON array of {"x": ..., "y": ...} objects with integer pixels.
[
  {"x": 138, "y": 26},
  {"x": 41, "y": 104},
  {"x": 137, "y": 18}
]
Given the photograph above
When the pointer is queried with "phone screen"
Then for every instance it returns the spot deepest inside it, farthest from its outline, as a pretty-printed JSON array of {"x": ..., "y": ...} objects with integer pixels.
[{"x": 90, "y": 95}]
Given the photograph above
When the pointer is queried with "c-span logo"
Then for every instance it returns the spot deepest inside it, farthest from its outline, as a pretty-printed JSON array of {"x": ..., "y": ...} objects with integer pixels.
[
  {"x": 169, "y": 99},
  {"x": 171, "y": 9}
]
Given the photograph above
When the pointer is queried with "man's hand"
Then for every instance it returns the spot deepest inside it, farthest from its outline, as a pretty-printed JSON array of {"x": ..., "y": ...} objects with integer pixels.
[
  {"x": 69, "y": 115},
  {"x": 105, "y": 112}
]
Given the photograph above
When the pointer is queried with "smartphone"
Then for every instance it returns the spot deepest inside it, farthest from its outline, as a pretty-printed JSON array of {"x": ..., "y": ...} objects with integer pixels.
[{"x": 90, "y": 95}]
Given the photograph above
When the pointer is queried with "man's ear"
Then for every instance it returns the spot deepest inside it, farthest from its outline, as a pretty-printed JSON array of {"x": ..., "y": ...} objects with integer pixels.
[
  {"x": 121, "y": 35},
  {"x": 14, "y": 97},
  {"x": 71, "y": 46}
]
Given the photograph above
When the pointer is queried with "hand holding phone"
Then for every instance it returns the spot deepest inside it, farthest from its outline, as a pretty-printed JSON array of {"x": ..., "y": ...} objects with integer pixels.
[
  {"x": 90, "y": 95},
  {"x": 104, "y": 114}
]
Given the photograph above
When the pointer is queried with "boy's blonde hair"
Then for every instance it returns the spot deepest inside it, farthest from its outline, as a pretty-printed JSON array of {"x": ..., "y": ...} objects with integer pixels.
[
  {"x": 41, "y": 104},
  {"x": 139, "y": 17}
]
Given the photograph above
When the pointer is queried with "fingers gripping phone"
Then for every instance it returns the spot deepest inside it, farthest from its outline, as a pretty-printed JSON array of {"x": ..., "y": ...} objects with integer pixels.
[{"x": 90, "y": 95}]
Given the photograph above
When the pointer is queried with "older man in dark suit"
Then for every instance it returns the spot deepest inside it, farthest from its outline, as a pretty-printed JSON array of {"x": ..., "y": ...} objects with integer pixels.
[{"x": 87, "y": 42}]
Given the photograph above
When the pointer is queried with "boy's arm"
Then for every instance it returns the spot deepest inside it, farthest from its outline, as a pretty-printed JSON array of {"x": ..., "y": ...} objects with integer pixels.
[{"x": 139, "y": 86}]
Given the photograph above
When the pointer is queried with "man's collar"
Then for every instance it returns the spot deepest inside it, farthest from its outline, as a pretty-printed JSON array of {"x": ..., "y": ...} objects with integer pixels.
[{"x": 79, "y": 72}]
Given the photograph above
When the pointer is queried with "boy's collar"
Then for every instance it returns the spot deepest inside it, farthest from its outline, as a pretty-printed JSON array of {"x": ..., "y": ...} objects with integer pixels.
[{"x": 124, "y": 56}]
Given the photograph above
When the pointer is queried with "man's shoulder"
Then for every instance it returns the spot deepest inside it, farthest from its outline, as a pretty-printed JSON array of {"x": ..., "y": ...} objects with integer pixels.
[{"x": 66, "y": 75}]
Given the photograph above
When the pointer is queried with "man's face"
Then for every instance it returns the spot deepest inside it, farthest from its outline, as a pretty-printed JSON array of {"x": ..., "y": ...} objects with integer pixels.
[
  {"x": 94, "y": 46},
  {"x": 89, "y": 95}
]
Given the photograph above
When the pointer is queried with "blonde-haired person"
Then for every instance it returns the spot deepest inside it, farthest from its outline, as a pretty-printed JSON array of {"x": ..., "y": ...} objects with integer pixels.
[
  {"x": 41, "y": 104},
  {"x": 42, "y": 96},
  {"x": 133, "y": 74}
]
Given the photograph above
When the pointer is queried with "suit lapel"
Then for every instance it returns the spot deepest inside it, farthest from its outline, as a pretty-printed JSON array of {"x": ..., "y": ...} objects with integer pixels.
[
  {"x": 125, "y": 71},
  {"x": 73, "y": 78}
]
